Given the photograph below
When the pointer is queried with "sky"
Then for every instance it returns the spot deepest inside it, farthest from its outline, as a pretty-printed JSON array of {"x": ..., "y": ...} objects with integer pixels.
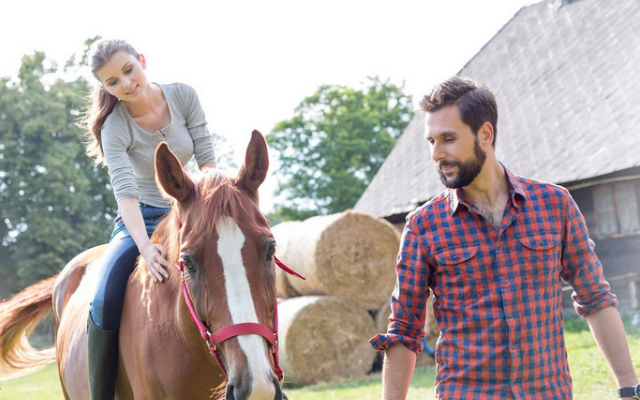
[{"x": 252, "y": 62}]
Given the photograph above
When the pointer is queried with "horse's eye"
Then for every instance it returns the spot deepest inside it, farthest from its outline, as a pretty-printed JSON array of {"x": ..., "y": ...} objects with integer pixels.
[
  {"x": 271, "y": 251},
  {"x": 187, "y": 264}
]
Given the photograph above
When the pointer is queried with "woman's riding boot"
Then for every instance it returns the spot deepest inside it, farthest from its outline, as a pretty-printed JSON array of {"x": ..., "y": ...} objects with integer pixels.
[{"x": 103, "y": 362}]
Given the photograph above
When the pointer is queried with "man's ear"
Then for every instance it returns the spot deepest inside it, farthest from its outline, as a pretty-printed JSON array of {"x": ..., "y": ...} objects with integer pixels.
[{"x": 486, "y": 134}]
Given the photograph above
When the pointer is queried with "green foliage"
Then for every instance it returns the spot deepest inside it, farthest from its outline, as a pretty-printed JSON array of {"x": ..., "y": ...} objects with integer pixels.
[
  {"x": 284, "y": 213},
  {"x": 335, "y": 143},
  {"x": 54, "y": 202}
]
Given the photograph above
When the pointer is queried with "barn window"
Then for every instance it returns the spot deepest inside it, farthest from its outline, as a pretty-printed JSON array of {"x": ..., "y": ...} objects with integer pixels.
[{"x": 617, "y": 208}]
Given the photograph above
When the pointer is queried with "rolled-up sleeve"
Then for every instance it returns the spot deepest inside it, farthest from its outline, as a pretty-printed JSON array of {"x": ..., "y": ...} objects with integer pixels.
[
  {"x": 197, "y": 127},
  {"x": 115, "y": 146},
  {"x": 581, "y": 267},
  {"x": 409, "y": 298}
]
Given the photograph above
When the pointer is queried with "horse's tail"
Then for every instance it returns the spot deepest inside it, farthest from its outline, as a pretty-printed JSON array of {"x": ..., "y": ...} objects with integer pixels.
[{"x": 19, "y": 315}]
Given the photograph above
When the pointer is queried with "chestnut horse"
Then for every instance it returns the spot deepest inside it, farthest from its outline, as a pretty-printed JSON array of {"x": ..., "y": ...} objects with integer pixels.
[{"x": 216, "y": 231}]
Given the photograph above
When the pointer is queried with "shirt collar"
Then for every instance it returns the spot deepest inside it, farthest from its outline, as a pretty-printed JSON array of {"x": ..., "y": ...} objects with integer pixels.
[{"x": 516, "y": 189}]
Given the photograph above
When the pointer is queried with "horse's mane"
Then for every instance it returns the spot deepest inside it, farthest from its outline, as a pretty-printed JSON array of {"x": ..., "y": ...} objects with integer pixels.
[{"x": 216, "y": 195}]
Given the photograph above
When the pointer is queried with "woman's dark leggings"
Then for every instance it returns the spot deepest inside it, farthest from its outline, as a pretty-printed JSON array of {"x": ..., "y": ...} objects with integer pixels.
[{"x": 114, "y": 268}]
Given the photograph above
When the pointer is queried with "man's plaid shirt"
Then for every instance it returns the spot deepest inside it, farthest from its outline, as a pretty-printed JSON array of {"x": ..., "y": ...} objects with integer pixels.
[{"x": 497, "y": 294}]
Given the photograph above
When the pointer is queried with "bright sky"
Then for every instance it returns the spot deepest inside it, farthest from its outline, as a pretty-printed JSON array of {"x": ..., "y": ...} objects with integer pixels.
[{"x": 252, "y": 62}]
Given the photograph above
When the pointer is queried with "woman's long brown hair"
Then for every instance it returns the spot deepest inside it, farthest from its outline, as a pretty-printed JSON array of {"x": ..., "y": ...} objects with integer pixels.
[{"x": 101, "y": 102}]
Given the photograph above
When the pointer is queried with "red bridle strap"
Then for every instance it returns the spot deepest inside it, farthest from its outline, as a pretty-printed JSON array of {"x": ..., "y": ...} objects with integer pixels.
[
  {"x": 287, "y": 269},
  {"x": 245, "y": 328}
]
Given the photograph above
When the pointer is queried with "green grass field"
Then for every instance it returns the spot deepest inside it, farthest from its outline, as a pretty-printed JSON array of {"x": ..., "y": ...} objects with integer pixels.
[{"x": 591, "y": 377}]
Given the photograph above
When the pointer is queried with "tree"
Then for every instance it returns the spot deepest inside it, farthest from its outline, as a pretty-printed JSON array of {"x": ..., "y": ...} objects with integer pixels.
[
  {"x": 334, "y": 145},
  {"x": 54, "y": 202}
]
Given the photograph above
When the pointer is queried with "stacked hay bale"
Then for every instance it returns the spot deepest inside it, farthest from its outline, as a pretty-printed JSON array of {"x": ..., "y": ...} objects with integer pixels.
[{"x": 348, "y": 260}]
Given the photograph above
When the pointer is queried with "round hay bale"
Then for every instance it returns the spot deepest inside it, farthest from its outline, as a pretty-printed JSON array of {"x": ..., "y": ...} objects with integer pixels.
[
  {"x": 285, "y": 231},
  {"x": 324, "y": 339},
  {"x": 382, "y": 317},
  {"x": 348, "y": 255}
]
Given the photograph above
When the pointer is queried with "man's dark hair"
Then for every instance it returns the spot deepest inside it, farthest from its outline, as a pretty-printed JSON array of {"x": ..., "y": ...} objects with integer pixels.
[{"x": 475, "y": 101}]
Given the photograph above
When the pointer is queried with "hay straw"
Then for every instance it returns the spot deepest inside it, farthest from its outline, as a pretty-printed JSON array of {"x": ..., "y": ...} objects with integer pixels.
[
  {"x": 348, "y": 255},
  {"x": 324, "y": 339}
]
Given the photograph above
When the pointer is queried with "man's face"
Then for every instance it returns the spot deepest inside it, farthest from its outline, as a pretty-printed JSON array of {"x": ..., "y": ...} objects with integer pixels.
[{"x": 454, "y": 148}]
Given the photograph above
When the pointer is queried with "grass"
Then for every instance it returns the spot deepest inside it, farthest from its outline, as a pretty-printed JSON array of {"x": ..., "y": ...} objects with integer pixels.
[
  {"x": 591, "y": 376},
  {"x": 40, "y": 385}
]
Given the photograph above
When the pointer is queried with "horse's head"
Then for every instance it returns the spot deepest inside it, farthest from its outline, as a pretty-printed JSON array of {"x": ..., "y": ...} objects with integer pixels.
[{"x": 227, "y": 253}]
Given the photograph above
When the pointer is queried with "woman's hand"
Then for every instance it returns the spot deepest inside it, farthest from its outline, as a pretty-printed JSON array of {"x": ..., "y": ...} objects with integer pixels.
[{"x": 157, "y": 265}]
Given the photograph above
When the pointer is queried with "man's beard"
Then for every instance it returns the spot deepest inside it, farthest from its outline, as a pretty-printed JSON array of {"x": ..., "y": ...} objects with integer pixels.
[{"x": 467, "y": 171}]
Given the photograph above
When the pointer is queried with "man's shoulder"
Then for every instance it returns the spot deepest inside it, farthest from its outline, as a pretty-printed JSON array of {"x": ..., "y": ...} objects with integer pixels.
[
  {"x": 435, "y": 206},
  {"x": 539, "y": 189}
]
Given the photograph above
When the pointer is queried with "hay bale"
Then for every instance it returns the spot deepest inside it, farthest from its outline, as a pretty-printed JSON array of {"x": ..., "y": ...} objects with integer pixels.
[
  {"x": 324, "y": 339},
  {"x": 348, "y": 255},
  {"x": 286, "y": 232}
]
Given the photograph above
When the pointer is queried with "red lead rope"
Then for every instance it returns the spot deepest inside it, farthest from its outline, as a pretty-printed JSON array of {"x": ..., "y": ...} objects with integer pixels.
[{"x": 247, "y": 328}]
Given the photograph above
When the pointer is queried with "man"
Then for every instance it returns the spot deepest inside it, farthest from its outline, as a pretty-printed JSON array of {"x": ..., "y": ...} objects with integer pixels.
[{"x": 494, "y": 248}]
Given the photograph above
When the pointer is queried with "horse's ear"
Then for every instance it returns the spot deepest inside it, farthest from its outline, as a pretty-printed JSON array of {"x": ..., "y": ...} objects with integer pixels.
[
  {"x": 170, "y": 175},
  {"x": 256, "y": 164}
]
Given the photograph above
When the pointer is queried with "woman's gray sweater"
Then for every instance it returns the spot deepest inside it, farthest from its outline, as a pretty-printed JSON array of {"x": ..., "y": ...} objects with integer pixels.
[{"x": 129, "y": 150}]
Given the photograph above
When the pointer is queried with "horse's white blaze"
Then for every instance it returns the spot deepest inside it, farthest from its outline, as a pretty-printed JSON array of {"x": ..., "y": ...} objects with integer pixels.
[{"x": 240, "y": 301}]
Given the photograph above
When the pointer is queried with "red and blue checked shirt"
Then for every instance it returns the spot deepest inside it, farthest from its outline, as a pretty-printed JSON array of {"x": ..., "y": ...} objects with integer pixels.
[{"x": 497, "y": 293}]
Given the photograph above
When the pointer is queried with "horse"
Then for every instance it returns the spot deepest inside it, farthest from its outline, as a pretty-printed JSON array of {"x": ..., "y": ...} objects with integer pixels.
[{"x": 225, "y": 284}]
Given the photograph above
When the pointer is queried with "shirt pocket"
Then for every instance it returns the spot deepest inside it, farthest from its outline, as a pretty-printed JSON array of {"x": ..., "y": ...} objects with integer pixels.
[
  {"x": 460, "y": 274},
  {"x": 539, "y": 257}
]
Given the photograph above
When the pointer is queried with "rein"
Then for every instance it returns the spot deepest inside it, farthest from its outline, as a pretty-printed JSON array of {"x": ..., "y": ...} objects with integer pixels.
[{"x": 230, "y": 331}]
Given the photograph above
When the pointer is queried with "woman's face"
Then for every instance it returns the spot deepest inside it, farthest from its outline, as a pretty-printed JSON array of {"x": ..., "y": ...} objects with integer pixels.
[{"x": 123, "y": 76}]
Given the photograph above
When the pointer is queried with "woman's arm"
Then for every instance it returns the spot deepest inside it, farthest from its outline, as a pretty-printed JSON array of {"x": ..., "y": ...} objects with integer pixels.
[{"x": 157, "y": 265}]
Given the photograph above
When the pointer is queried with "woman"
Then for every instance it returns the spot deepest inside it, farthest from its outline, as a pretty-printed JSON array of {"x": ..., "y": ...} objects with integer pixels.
[{"x": 128, "y": 118}]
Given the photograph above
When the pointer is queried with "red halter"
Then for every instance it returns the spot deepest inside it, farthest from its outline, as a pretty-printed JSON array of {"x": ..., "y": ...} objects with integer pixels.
[{"x": 246, "y": 328}]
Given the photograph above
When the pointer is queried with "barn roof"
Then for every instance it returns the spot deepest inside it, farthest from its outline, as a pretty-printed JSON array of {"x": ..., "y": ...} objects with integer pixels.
[{"x": 567, "y": 82}]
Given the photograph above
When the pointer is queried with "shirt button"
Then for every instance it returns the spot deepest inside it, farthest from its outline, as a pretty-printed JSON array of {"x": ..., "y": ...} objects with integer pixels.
[
  {"x": 543, "y": 243},
  {"x": 504, "y": 281}
]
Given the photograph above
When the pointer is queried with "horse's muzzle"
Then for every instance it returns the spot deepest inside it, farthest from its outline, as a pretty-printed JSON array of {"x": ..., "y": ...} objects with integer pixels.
[{"x": 238, "y": 391}]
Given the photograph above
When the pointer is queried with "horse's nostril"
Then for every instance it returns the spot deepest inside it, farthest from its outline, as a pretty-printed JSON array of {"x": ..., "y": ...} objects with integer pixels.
[
  {"x": 279, "y": 394},
  {"x": 236, "y": 391},
  {"x": 230, "y": 391}
]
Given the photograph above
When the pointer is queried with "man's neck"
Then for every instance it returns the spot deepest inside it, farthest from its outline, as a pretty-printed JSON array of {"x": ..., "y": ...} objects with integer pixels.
[{"x": 490, "y": 188}]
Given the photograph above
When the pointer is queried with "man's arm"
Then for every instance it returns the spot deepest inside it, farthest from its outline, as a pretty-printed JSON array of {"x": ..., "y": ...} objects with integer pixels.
[
  {"x": 608, "y": 331},
  {"x": 399, "y": 362}
]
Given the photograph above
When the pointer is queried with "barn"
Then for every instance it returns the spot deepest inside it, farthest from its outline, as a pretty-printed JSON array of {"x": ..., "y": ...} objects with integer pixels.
[{"x": 566, "y": 78}]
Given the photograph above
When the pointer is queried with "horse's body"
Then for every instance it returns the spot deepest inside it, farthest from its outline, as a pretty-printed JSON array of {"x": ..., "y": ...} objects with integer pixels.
[{"x": 227, "y": 248}]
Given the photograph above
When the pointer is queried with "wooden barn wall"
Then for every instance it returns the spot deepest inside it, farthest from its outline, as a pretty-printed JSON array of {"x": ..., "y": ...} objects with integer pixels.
[{"x": 618, "y": 255}]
